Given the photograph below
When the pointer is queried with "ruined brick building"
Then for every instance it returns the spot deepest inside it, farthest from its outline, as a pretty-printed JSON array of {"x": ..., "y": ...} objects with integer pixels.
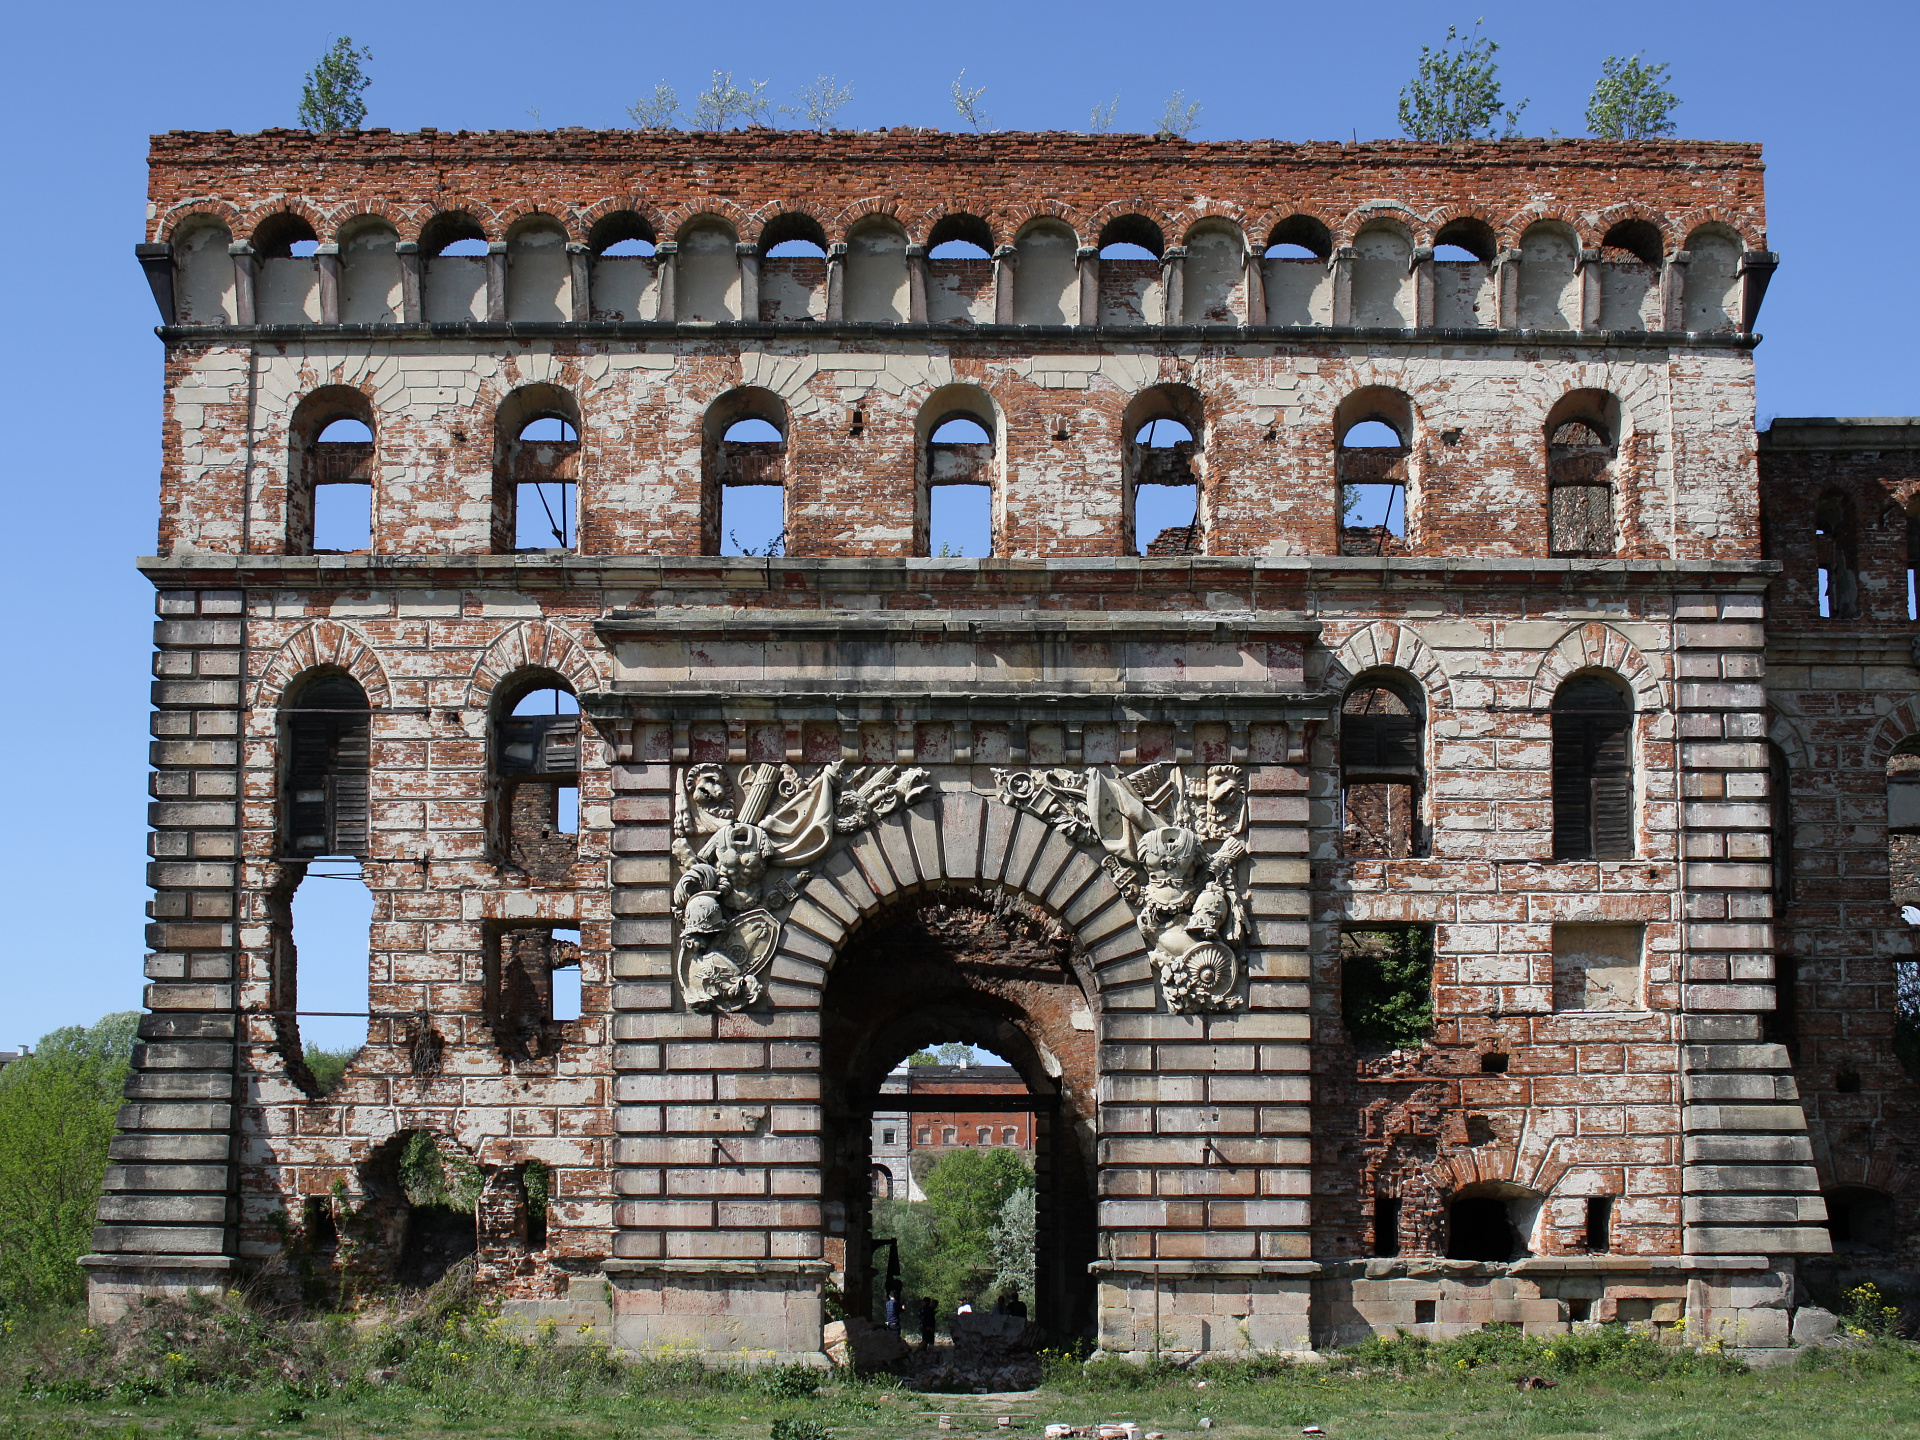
[{"x": 1568, "y": 707}]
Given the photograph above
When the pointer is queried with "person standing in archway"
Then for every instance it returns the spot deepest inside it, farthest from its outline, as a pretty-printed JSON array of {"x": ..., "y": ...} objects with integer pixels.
[{"x": 929, "y": 1316}]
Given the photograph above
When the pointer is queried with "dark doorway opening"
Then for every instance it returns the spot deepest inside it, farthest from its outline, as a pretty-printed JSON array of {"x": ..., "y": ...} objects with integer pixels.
[{"x": 988, "y": 972}]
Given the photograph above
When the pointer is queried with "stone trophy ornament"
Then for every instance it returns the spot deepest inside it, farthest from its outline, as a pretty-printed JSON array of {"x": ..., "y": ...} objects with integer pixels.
[
  {"x": 740, "y": 861},
  {"x": 1172, "y": 838}
]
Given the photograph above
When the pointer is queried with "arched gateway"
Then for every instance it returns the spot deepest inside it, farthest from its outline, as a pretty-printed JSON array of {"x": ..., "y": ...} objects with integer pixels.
[{"x": 1109, "y": 891}]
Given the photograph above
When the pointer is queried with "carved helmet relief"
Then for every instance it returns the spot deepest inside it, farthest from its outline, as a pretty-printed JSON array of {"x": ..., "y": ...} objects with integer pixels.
[{"x": 740, "y": 846}]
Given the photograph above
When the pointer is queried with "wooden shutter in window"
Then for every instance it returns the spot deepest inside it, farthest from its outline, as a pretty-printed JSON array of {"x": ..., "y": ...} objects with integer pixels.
[
  {"x": 540, "y": 745},
  {"x": 327, "y": 760},
  {"x": 1379, "y": 745},
  {"x": 1592, "y": 773}
]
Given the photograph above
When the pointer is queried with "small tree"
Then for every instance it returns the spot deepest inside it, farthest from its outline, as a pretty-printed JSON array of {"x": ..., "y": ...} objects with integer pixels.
[
  {"x": 1178, "y": 119},
  {"x": 1103, "y": 119},
  {"x": 1012, "y": 1242},
  {"x": 331, "y": 99},
  {"x": 716, "y": 106},
  {"x": 1630, "y": 101},
  {"x": 1455, "y": 96},
  {"x": 967, "y": 103},
  {"x": 819, "y": 102},
  {"x": 658, "y": 111}
]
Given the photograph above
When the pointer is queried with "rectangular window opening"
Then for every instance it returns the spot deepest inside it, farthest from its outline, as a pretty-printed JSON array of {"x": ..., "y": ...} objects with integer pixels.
[
  {"x": 1599, "y": 1224},
  {"x": 1386, "y": 983},
  {"x": 566, "y": 810},
  {"x": 342, "y": 517},
  {"x": 886, "y": 1137},
  {"x": 1373, "y": 517},
  {"x": 1423, "y": 1312},
  {"x": 1598, "y": 967},
  {"x": 753, "y": 520},
  {"x": 1826, "y": 593},
  {"x": 1579, "y": 1311},
  {"x": 1493, "y": 1063},
  {"x": 1166, "y": 520},
  {"x": 544, "y": 515},
  {"x": 566, "y": 1002},
  {"x": 1913, "y": 596},
  {"x": 959, "y": 521},
  {"x": 1386, "y": 1226}
]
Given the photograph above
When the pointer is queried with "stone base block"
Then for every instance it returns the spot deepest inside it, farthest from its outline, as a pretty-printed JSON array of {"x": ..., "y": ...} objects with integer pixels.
[
  {"x": 116, "y": 1283},
  {"x": 1212, "y": 1314},
  {"x": 739, "y": 1314}
]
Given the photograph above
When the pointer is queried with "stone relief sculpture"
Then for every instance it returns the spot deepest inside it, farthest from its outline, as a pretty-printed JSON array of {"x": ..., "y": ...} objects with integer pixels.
[
  {"x": 740, "y": 860},
  {"x": 1172, "y": 838}
]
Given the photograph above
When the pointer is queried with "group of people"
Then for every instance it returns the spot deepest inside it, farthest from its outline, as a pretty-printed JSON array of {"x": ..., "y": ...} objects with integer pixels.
[{"x": 1009, "y": 1303}]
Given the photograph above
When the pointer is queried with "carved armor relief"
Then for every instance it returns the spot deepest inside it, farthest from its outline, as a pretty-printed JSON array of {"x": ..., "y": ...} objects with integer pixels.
[{"x": 741, "y": 845}]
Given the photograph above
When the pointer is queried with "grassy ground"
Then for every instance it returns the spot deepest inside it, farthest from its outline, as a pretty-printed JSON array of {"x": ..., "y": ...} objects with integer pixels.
[{"x": 219, "y": 1370}]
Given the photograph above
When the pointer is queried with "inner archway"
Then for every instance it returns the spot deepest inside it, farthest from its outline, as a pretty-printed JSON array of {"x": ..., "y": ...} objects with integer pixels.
[{"x": 983, "y": 969}]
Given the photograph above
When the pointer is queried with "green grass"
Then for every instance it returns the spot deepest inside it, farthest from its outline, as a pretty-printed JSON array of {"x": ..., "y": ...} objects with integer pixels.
[{"x": 207, "y": 1370}]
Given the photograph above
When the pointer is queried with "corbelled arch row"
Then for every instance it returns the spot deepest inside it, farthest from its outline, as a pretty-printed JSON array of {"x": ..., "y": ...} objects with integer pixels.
[{"x": 1110, "y": 895}]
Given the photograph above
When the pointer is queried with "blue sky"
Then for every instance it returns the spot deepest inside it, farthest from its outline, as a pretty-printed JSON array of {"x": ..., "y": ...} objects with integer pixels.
[{"x": 1826, "y": 88}]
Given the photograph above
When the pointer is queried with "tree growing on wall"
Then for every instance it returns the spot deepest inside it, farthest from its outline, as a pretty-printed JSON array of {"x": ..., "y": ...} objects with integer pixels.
[
  {"x": 331, "y": 99},
  {"x": 819, "y": 102},
  {"x": 722, "y": 102},
  {"x": 658, "y": 111},
  {"x": 1631, "y": 101},
  {"x": 57, "y": 1109},
  {"x": 967, "y": 104},
  {"x": 1455, "y": 94},
  {"x": 1178, "y": 118}
]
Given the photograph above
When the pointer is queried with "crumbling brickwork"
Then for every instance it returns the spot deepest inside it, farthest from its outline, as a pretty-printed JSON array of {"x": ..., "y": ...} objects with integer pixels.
[{"x": 1115, "y": 815}]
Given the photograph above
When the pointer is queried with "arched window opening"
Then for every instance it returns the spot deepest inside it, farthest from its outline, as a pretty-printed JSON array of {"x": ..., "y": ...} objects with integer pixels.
[
  {"x": 1130, "y": 249},
  {"x": 1549, "y": 278},
  {"x": 1711, "y": 296},
  {"x": 203, "y": 272},
  {"x": 324, "y": 735},
  {"x": 419, "y": 1215},
  {"x": 1166, "y": 492},
  {"x": 624, "y": 279},
  {"x": 747, "y": 450},
  {"x": 1383, "y": 278},
  {"x": 1860, "y": 1219},
  {"x": 707, "y": 273},
  {"x": 1903, "y": 824},
  {"x": 537, "y": 468},
  {"x": 878, "y": 288},
  {"x": 1913, "y": 566},
  {"x": 959, "y": 469},
  {"x": 1836, "y": 577},
  {"x": 372, "y": 290},
  {"x": 1492, "y": 1223},
  {"x": 1046, "y": 275},
  {"x": 960, "y": 271},
  {"x": 453, "y": 254},
  {"x": 330, "y": 461},
  {"x": 1215, "y": 276},
  {"x": 1372, "y": 465},
  {"x": 793, "y": 269},
  {"x": 1592, "y": 771},
  {"x": 1380, "y": 772},
  {"x": 539, "y": 273},
  {"x": 1463, "y": 288},
  {"x": 1580, "y": 505},
  {"x": 1630, "y": 255},
  {"x": 537, "y": 780},
  {"x": 1298, "y": 272},
  {"x": 287, "y": 283}
]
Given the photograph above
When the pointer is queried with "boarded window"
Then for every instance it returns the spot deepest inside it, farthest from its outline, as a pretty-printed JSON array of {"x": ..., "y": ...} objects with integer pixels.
[
  {"x": 1592, "y": 772},
  {"x": 1379, "y": 774},
  {"x": 1580, "y": 491},
  {"x": 326, "y": 769},
  {"x": 1597, "y": 967}
]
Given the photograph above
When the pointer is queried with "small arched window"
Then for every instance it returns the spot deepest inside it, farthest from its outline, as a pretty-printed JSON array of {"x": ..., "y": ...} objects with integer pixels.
[
  {"x": 1580, "y": 504},
  {"x": 539, "y": 273},
  {"x": 372, "y": 289},
  {"x": 324, "y": 738},
  {"x": 1836, "y": 576},
  {"x": 1298, "y": 272},
  {"x": 1046, "y": 276},
  {"x": 1630, "y": 255},
  {"x": 1463, "y": 288},
  {"x": 1592, "y": 771},
  {"x": 536, "y": 484},
  {"x": 1165, "y": 464},
  {"x": 1549, "y": 278},
  {"x": 1382, "y": 278},
  {"x": 707, "y": 272},
  {"x": 1380, "y": 771},
  {"x": 745, "y": 491},
  {"x": 536, "y": 760},
  {"x": 878, "y": 287},
  {"x": 330, "y": 464},
  {"x": 1215, "y": 275},
  {"x": 958, "y": 467},
  {"x": 793, "y": 269},
  {"x": 287, "y": 287},
  {"x": 1372, "y": 464},
  {"x": 203, "y": 272},
  {"x": 453, "y": 251},
  {"x": 984, "y": 1135}
]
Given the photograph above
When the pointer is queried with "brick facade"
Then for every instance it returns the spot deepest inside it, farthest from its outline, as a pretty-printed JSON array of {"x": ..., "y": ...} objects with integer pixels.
[{"x": 1078, "y": 806}]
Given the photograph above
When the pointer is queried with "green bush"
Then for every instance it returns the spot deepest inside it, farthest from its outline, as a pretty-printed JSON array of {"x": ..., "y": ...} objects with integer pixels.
[
  {"x": 1616, "y": 1350},
  {"x": 57, "y": 1108}
]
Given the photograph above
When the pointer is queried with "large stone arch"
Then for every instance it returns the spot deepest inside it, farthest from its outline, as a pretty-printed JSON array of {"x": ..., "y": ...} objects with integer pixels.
[{"x": 964, "y": 840}]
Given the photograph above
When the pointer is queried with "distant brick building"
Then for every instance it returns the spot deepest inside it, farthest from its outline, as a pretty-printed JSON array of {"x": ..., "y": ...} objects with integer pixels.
[
  {"x": 1376, "y": 867},
  {"x": 900, "y": 1135}
]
